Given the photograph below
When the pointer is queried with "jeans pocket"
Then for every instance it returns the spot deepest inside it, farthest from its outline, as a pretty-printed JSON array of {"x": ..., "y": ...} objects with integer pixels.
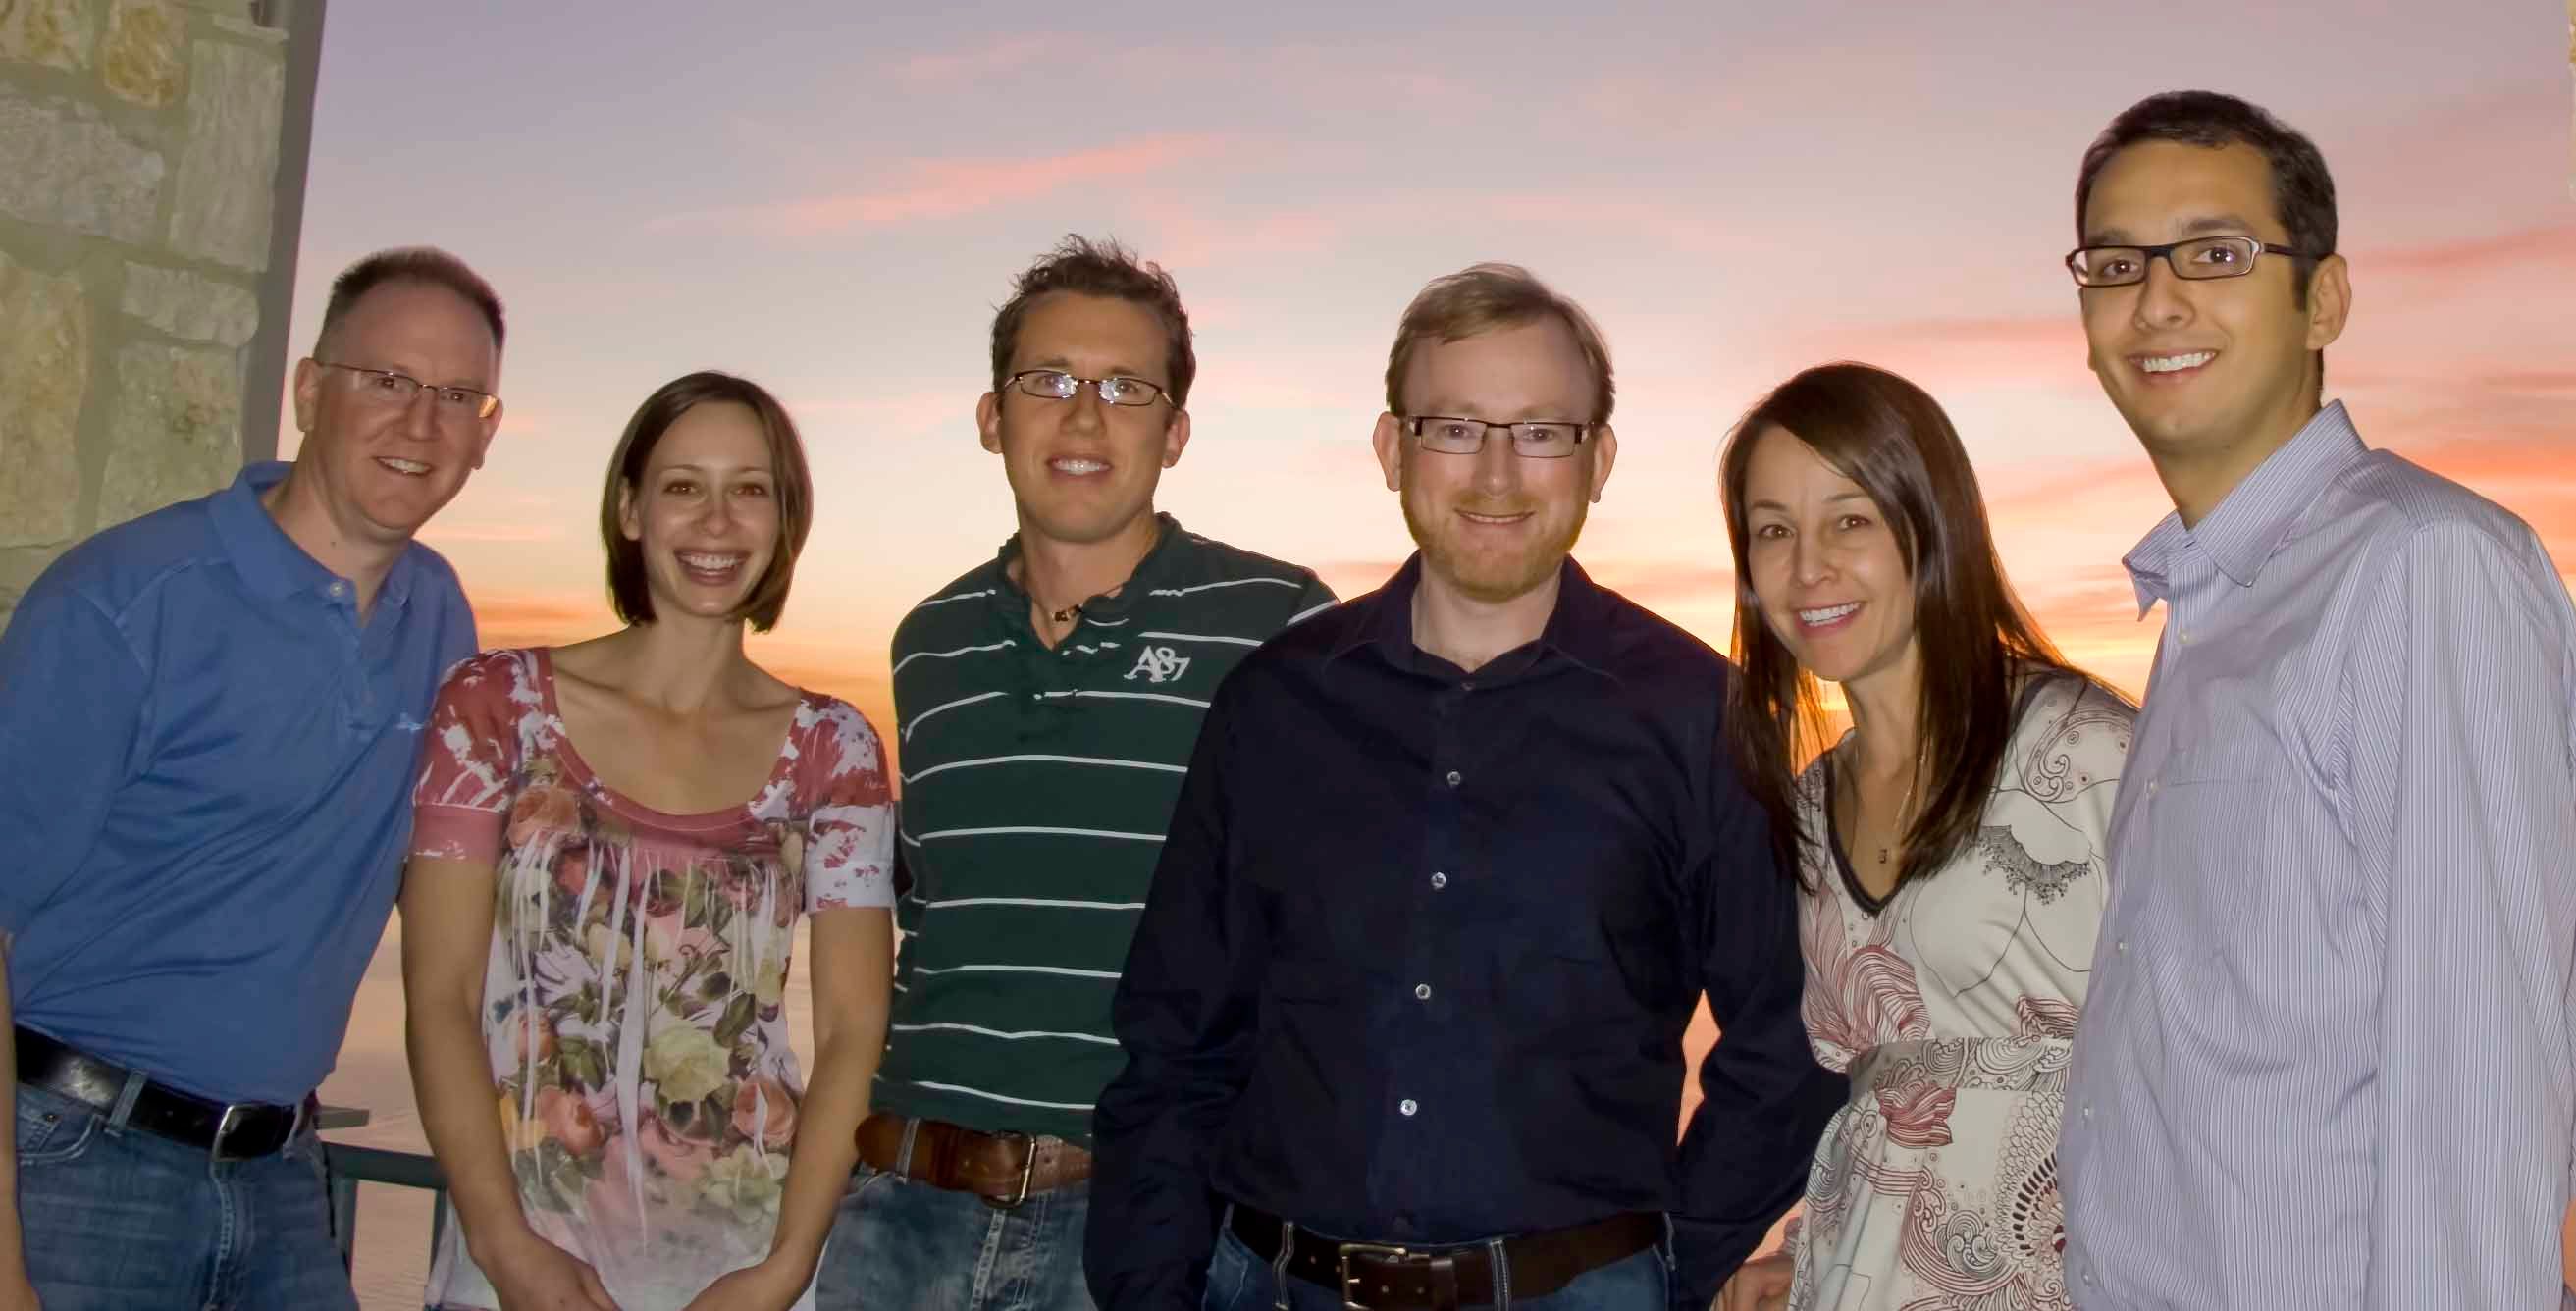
[
  {"x": 51, "y": 1129},
  {"x": 1230, "y": 1271}
]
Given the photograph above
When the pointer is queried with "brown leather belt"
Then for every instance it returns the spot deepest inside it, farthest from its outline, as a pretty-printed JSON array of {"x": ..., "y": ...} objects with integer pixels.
[
  {"x": 1005, "y": 1169},
  {"x": 1393, "y": 1277}
]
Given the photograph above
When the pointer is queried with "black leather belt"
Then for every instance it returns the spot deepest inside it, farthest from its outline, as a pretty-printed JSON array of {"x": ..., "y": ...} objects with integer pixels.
[
  {"x": 230, "y": 1132},
  {"x": 1406, "y": 1277}
]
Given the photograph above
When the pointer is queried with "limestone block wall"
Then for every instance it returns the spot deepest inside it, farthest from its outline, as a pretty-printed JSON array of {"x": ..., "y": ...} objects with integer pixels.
[{"x": 152, "y": 157}]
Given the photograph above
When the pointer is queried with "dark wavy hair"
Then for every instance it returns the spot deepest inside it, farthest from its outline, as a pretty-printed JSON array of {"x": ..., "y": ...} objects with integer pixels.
[
  {"x": 1104, "y": 268},
  {"x": 1892, "y": 438}
]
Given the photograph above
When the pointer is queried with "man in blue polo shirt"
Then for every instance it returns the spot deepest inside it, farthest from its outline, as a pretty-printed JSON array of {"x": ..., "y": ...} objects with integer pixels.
[{"x": 209, "y": 722}]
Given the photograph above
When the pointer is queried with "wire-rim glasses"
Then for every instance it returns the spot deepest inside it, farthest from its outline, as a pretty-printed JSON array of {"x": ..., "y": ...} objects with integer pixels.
[
  {"x": 396, "y": 390},
  {"x": 1536, "y": 439},
  {"x": 1058, "y": 385}
]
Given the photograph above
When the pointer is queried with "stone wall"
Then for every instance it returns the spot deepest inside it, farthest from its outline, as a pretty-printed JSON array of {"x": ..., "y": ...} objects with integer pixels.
[{"x": 151, "y": 185}]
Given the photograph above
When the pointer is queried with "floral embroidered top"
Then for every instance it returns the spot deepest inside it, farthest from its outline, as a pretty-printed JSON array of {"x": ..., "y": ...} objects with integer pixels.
[
  {"x": 1952, "y": 1005},
  {"x": 633, "y": 1005}
]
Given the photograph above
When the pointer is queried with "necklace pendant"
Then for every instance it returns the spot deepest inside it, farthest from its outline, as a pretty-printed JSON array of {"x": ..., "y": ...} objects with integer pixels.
[{"x": 1882, "y": 855}]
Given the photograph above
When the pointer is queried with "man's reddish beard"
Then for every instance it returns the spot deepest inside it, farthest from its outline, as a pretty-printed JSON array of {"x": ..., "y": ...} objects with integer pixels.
[{"x": 1485, "y": 577}]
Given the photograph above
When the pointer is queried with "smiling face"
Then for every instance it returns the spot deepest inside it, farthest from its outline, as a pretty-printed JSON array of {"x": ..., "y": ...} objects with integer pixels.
[
  {"x": 1495, "y": 525},
  {"x": 382, "y": 467},
  {"x": 1083, "y": 472},
  {"x": 2212, "y": 374},
  {"x": 1825, "y": 564},
  {"x": 705, "y": 513}
]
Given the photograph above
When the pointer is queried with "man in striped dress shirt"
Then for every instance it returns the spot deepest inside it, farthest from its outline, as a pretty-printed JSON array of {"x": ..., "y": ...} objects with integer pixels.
[
  {"x": 1046, "y": 704},
  {"x": 2327, "y": 1059}
]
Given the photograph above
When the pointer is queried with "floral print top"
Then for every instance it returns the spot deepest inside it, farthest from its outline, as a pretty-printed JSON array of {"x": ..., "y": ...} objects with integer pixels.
[
  {"x": 1952, "y": 1005},
  {"x": 633, "y": 1004}
]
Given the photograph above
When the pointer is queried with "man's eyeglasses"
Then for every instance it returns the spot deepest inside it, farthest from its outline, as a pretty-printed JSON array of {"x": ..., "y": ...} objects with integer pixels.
[
  {"x": 1058, "y": 385},
  {"x": 1538, "y": 440},
  {"x": 2200, "y": 257},
  {"x": 396, "y": 390}
]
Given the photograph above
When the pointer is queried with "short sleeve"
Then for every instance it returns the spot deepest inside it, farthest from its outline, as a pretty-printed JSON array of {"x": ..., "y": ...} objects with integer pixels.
[
  {"x": 470, "y": 755},
  {"x": 73, "y": 701},
  {"x": 849, "y": 826}
]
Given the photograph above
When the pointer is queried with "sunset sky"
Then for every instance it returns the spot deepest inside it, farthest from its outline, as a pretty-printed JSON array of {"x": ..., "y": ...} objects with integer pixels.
[{"x": 832, "y": 201}]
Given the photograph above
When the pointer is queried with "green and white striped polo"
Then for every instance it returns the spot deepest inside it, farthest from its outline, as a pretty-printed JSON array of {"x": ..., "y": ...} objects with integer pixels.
[{"x": 1037, "y": 786}]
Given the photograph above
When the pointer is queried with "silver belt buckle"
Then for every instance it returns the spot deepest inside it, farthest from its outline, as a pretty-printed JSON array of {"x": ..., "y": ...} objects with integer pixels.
[
  {"x": 1028, "y": 1172},
  {"x": 224, "y": 1130},
  {"x": 1343, "y": 1252},
  {"x": 232, "y": 1118}
]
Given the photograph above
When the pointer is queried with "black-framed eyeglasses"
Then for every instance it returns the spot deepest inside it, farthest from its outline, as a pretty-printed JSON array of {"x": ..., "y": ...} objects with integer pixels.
[
  {"x": 2198, "y": 258},
  {"x": 387, "y": 387},
  {"x": 1116, "y": 389},
  {"x": 1540, "y": 439}
]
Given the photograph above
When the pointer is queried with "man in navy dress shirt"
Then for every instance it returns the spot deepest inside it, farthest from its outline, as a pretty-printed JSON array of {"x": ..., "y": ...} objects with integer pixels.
[
  {"x": 1451, "y": 867},
  {"x": 209, "y": 725}
]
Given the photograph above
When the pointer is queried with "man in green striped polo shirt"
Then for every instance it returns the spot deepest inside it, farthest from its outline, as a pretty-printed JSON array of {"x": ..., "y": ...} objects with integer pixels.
[{"x": 1046, "y": 704}]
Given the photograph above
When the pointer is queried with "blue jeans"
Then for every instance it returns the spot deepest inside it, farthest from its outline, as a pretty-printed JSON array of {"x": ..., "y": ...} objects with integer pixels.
[
  {"x": 901, "y": 1245},
  {"x": 117, "y": 1219},
  {"x": 1240, "y": 1281}
]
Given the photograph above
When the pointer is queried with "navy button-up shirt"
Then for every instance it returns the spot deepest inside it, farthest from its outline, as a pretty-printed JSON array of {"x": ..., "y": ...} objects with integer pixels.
[{"x": 1423, "y": 943}]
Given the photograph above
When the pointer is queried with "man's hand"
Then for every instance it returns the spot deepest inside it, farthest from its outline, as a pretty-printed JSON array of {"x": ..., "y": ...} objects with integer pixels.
[
  {"x": 532, "y": 1274},
  {"x": 767, "y": 1286},
  {"x": 1761, "y": 1284}
]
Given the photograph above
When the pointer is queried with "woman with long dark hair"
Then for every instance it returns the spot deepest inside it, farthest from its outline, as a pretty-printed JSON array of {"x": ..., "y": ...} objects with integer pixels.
[{"x": 1950, "y": 846}]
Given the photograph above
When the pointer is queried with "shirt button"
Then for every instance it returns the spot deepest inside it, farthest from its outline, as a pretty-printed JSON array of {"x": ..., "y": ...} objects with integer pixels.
[
  {"x": 1422, "y": 992},
  {"x": 1407, "y": 1107},
  {"x": 1456, "y": 778},
  {"x": 1468, "y": 686},
  {"x": 2151, "y": 787},
  {"x": 2122, "y": 946},
  {"x": 2088, "y": 1112},
  {"x": 1439, "y": 880},
  {"x": 339, "y": 588}
]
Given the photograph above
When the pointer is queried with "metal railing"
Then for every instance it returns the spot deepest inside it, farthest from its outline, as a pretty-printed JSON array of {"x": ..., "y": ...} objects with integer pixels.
[{"x": 351, "y": 1166}]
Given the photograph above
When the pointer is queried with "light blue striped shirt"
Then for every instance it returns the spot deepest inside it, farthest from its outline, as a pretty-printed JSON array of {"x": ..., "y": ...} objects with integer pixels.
[{"x": 2329, "y": 1057}]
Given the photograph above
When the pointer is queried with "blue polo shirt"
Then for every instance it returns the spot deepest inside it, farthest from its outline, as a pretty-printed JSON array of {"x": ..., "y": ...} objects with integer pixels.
[{"x": 205, "y": 773}]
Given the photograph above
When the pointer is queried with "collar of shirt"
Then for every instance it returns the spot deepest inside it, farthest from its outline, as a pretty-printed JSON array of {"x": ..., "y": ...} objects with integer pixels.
[
  {"x": 2253, "y": 519},
  {"x": 1579, "y": 629},
  {"x": 1157, "y": 565},
  {"x": 267, "y": 559}
]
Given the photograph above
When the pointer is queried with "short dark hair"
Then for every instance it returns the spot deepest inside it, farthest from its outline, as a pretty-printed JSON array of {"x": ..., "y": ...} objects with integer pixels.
[
  {"x": 1086, "y": 267},
  {"x": 409, "y": 264},
  {"x": 1888, "y": 435},
  {"x": 2302, "y": 190},
  {"x": 1481, "y": 298},
  {"x": 627, "y": 592}
]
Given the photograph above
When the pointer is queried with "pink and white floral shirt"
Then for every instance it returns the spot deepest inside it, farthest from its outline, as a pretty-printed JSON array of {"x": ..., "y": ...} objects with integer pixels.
[{"x": 633, "y": 1007}]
